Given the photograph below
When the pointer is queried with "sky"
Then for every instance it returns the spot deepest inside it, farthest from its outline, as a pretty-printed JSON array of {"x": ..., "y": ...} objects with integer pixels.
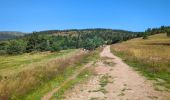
[{"x": 37, "y": 15}]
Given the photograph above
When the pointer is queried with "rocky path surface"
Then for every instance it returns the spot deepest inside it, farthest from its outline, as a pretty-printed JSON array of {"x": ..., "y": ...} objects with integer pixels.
[{"x": 115, "y": 80}]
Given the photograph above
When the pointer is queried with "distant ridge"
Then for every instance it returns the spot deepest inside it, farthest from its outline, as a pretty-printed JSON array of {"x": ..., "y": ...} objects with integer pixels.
[
  {"x": 83, "y": 31},
  {"x": 7, "y": 35}
]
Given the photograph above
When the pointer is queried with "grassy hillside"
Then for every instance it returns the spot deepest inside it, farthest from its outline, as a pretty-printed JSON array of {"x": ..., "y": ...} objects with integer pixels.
[
  {"x": 6, "y": 35},
  {"x": 150, "y": 56},
  {"x": 10, "y": 64},
  {"x": 29, "y": 76},
  {"x": 23, "y": 73}
]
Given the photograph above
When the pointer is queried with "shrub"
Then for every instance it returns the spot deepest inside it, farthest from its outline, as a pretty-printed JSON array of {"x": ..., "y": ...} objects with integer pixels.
[
  {"x": 2, "y": 52},
  {"x": 45, "y": 45},
  {"x": 89, "y": 44},
  {"x": 145, "y": 35},
  {"x": 55, "y": 47},
  {"x": 168, "y": 33},
  {"x": 16, "y": 47}
]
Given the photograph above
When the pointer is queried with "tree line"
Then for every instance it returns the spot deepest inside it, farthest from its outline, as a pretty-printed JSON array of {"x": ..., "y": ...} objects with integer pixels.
[
  {"x": 56, "y": 40},
  {"x": 152, "y": 31}
]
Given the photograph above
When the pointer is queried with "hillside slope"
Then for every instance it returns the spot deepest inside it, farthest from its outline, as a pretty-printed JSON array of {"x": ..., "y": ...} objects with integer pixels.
[
  {"x": 56, "y": 40},
  {"x": 22, "y": 75},
  {"x": 150, "y": 56},
  {"x": 98, "y": 31}
]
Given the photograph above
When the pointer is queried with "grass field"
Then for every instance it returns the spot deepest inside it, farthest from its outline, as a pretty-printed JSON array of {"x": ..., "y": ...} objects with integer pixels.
[
  {"x": 150, "y": 56},
  {"x": 10, "y": 64},
  {"x": 22, "y": 74},
  {"x": 30, "y": 76},
  {"x": 70, "y": 70}
]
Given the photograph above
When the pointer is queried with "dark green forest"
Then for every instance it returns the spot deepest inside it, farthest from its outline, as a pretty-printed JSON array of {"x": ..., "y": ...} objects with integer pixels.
[{"x": 56, "y": 40}]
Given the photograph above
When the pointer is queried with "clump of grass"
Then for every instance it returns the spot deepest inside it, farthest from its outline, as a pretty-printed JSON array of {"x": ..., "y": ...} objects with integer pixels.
[
  {"x": 98, "y": 98},
  {"x": 123, "y": 89},
  {"x": 153, "y": 97},
  {"x": 106, "y": 58},
  {"x": 104, "y": 80},
  {"x": 121, "y": 94},
  {"x": 101, "y": 89},
  {"x": 109, "y": 63},
  {"x": 94, "y": 98},
  {"x": 150, "y": 57}
]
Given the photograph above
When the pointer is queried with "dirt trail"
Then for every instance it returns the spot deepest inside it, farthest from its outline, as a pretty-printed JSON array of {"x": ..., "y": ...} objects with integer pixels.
[{"x": 121, "y": 83}]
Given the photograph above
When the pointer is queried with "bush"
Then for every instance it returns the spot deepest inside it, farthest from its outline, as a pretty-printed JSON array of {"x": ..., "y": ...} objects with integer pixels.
[
  {"x": 98, "y": 41},
  {"x": 16, "y": 47},
  {"x": 55, "y": 47},
  {"x": 45, "y": 45},
  {"x": 3, "y": 47},
  {"x": 2, "y": 52},
  {"x": 89, "y": 44},
  {"x": 168, "y": 33},
  {"x": 145, "y": 35}
]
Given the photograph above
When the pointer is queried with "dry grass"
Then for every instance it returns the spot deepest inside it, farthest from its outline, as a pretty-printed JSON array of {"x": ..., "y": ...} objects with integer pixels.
[
  {"x": 151, "y": 56},
  {"x": 84, "y": 75},
  {"x": 36, "y": 78},
  {"x": 17, "y": 85}
]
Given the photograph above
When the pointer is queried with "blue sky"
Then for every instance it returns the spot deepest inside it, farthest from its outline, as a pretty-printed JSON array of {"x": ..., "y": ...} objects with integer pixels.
[{"x": 36, "y": 15}]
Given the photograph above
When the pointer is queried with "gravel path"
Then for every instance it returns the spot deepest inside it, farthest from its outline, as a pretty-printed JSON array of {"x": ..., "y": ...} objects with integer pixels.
[{"x": 115, "y": 80}]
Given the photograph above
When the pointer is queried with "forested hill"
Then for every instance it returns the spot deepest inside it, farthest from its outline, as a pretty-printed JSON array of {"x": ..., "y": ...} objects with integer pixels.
[
  {"x": 55, "y": 40},
  {"x": 6, "y": 35},
  {"x": 108, "y": 35},
  {"x": 75, "y": 31}
]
